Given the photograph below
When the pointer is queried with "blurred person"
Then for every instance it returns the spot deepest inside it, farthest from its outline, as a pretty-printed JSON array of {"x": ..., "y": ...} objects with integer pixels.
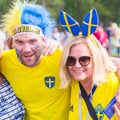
[
  {"x": 56, "y": 34},
  {"x": 108, "y": 29},
  {"x": 101, "y": 35},
  {"x": 3, "y": 38},
  {"x": 64, "y": 35},
  {"x": 115, "y": 41},
  {"x": 86, "y": 66},
  {"x": 11, "y": 107}
]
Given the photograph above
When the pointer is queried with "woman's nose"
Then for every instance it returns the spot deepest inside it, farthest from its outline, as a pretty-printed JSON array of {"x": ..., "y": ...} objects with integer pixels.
[{"x": 77, "y": 64}]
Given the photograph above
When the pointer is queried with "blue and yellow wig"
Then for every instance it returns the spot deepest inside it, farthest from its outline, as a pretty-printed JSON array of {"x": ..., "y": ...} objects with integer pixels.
[{"x": 28, "y": 14}]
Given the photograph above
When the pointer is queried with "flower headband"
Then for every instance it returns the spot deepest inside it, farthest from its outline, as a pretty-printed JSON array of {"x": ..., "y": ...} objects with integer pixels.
[
  {"x": 26, "y": 17},
  {"x": 89, "y": 23}
]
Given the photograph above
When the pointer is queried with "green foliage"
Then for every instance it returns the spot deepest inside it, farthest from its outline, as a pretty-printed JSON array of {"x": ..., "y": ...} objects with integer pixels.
[
  {"x": 3, "y": 6},
  {"x": 108, "y": 9}
]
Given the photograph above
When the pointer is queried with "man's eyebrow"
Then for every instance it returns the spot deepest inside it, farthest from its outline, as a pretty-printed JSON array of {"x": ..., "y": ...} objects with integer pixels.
[
  {"x": 17, "y": 39},
  {"x": 22, "y": 40},
  {"x": 33, "y": 39}
]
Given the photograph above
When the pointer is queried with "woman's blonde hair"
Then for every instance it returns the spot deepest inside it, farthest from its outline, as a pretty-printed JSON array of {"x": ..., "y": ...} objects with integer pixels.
[{"x": 102, "y": 62}]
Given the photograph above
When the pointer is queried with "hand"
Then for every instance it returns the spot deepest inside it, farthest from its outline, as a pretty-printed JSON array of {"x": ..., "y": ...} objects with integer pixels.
[
  {"x": 117, "y": 111},
  {"x": 117, "y": 104},
  {"x": 50, "y": 47}
]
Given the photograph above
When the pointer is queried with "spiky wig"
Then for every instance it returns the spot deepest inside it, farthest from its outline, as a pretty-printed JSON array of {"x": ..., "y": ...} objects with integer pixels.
[{"x": 28, "y": 14}]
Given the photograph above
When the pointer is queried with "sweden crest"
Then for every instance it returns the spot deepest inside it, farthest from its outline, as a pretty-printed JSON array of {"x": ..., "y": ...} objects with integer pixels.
[
  {"x": 68, "y": 23},
  {"x": 50, "y": 81}
]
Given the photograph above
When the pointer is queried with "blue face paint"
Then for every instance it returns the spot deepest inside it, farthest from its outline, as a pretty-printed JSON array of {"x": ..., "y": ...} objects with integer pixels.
[
  {"x": 29, "y": 57},
  {"x": 37, "y": 47},
  {"x": 18, "y": 54},
  {"x": 17, "y": 51}
]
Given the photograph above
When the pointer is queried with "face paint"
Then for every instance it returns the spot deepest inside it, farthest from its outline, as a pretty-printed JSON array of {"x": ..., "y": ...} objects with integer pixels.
[
  {"x": 37, "y": 47},
  {"x": 28, "y": 48},
  {"x": 18, "y": 54}
]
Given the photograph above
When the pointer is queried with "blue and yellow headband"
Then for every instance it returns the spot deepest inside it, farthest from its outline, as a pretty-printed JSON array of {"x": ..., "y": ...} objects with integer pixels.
[{"x": 89, "y": 23}]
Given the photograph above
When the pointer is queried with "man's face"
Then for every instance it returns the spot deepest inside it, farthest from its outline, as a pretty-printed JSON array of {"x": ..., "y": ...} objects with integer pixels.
[{"x": 29, "y": 48}]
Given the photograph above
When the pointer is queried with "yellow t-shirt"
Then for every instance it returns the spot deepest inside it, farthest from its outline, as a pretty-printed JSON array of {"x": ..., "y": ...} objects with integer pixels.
[
  {"x": 102, "y": 95},
  {"x": 37, "y": 87}
]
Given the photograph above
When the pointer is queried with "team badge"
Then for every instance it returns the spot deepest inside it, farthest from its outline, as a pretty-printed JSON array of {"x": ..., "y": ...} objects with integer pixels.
[
  {"x": 50, "y": 81},
  {"x": 99, "y": 111}
]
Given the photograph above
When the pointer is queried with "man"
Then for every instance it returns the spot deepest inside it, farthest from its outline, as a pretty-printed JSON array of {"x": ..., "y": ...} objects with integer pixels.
[{"x": 34, "y": 77}]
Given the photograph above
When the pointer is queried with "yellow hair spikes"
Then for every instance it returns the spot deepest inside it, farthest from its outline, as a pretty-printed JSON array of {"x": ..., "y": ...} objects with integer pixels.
[{"x": 12, "y": 18}]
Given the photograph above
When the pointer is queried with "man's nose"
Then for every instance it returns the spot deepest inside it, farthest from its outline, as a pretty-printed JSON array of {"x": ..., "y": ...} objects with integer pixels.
[{"x": 27, "y": 47}]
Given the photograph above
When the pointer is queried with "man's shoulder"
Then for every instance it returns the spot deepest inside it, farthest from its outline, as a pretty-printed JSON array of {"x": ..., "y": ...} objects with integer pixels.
[{"x": 8, "y": 52}]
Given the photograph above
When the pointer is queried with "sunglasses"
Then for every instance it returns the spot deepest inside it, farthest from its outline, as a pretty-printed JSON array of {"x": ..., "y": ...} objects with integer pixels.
[{"x": 83, "y": 60}]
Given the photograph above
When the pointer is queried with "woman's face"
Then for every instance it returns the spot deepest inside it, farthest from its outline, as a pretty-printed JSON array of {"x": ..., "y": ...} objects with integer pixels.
[{"x": 82, "y": 69}]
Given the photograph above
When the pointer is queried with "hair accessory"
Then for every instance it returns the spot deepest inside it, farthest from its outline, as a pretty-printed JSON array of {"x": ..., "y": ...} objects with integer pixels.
[
  {"x": 89, "y": 24},
  {"x": 68, "y": 23},
  {"x": 28, "y": 14}
]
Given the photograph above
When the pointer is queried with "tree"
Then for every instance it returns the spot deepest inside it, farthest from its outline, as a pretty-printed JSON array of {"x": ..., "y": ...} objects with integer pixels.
[{"x": 108, "y": 10}]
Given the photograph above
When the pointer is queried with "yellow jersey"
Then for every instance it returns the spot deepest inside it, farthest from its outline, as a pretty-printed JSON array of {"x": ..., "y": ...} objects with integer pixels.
[
  {"x": 37, "y": 87},
  {"x": 100, "y": 98}
]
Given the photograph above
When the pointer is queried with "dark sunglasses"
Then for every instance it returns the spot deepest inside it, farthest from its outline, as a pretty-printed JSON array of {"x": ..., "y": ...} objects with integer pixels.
[{"x": 83, "y": 60}]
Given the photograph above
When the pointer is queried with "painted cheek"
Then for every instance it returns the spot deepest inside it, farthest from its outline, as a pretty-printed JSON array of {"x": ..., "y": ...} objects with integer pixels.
[
  {"x": 37, "y": 47},
  {"x": 17, "y": 51},
  {"x": 18, "y": 54}
]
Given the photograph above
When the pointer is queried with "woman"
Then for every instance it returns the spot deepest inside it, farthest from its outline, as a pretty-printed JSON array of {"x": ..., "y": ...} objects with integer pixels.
[
  {"x": 86, "y": 62},
  {"x": 86, "y": 65}
]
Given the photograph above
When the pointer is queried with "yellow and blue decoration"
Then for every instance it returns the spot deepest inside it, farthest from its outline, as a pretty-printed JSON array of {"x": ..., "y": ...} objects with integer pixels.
[
  {"x": 28, "y": 14},
  {"x": 89, "y": 23}
]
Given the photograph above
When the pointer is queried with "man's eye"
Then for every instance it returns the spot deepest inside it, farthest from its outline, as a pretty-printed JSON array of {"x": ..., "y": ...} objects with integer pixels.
[
  {"x": 19, "y": 42},
  {"x": 32, "y": 41}
]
